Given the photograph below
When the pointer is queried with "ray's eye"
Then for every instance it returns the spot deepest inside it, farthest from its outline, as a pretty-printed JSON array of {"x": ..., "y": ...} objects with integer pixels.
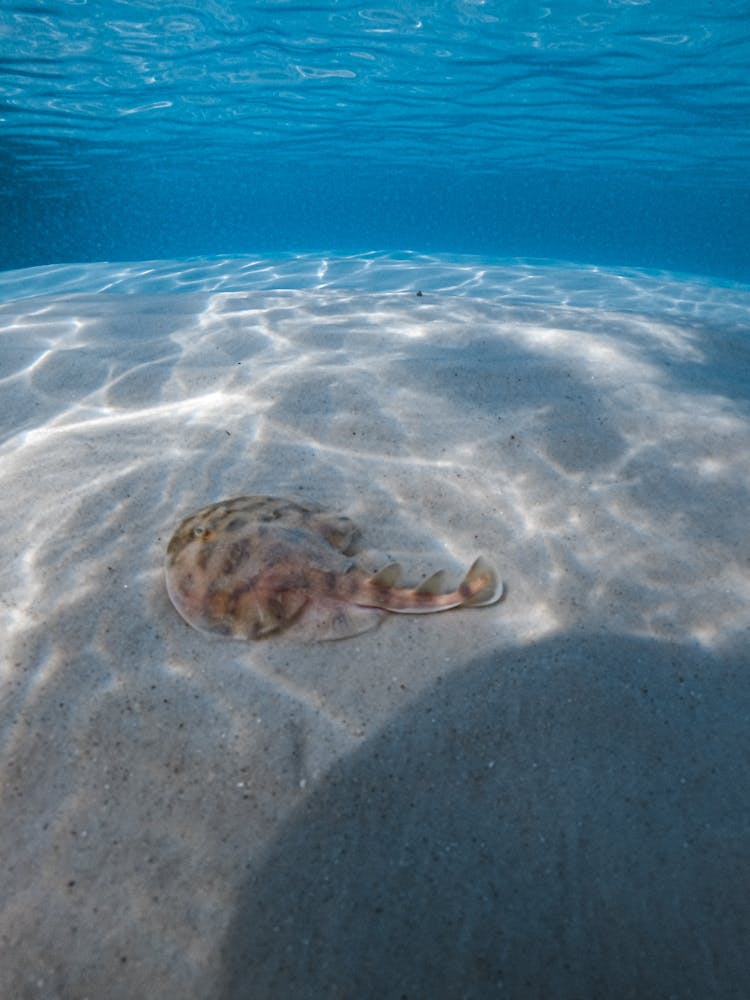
[{"x": 198, "y": 530}]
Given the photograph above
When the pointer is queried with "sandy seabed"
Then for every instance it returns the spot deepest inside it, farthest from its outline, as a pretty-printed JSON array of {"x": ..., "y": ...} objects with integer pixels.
[{"x": 548, "y": 798}]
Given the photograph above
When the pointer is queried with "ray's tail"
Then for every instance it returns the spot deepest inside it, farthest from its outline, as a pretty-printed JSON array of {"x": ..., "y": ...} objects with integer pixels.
[{"x": 478, "y": 588}]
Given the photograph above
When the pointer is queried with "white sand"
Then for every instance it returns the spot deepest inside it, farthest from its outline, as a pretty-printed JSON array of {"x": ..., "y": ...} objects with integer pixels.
[{"x": 549, "y": 797}]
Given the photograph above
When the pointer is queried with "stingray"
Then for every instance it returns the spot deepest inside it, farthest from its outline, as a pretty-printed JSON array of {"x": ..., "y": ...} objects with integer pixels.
[{"x": 256, "y": 566}]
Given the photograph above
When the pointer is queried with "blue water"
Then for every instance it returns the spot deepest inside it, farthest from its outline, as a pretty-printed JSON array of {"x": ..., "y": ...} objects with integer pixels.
[{"x": 613, "y": 133}]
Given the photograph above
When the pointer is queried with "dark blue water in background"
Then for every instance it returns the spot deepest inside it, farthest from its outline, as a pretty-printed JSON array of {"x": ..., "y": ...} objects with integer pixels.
[{"x": 612, "y": 132}]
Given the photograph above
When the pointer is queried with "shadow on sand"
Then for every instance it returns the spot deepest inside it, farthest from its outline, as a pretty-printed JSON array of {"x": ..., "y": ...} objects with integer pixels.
[{"x": 566, "y": 820}]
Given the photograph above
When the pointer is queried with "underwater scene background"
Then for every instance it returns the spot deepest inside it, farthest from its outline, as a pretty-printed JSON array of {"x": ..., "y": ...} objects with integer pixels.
[{"x": 473, "y": 274}]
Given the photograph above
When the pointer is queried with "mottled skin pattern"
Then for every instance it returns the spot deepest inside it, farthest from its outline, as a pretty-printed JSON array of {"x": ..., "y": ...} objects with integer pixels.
[{"x": 251, "y": 566}]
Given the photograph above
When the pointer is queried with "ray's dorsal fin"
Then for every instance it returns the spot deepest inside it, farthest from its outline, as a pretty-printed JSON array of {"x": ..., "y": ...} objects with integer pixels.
[
  {"x": 434, "y": 584},
  {"x": 388, "y": 576}
]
